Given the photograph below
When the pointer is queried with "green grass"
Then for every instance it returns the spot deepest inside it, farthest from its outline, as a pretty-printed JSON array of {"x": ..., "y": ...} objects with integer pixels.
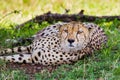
[{"x": 104, "y": 65}]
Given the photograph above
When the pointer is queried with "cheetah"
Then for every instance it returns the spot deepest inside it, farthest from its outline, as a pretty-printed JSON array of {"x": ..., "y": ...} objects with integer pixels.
[{"x": 61, "y": 43}]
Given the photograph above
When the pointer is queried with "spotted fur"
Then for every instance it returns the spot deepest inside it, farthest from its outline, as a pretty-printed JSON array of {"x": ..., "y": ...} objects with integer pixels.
[{"x": 61, "y": 43}]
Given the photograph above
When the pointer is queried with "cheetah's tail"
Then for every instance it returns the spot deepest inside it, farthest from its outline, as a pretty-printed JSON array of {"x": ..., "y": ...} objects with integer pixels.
[
  {"x": 18, "y": 58},
  {"x": 20, "y": 49}
]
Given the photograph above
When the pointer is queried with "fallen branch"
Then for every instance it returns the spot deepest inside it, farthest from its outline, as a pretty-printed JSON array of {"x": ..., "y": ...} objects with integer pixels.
[{"x": 50, "y": 17}]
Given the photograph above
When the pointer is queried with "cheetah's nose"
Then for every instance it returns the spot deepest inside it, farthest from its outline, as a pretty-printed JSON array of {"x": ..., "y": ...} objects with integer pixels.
[{"x": 71, "y": 41}]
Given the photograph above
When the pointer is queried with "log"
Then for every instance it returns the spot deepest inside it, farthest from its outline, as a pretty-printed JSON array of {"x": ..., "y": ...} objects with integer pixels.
[{"x": 51, "y": 17}]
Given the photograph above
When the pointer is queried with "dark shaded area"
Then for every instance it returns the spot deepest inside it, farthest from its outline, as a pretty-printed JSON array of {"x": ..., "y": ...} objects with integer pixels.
[
  {"x": 23, "y": 41},
  {"x": 30, "y": 68}
]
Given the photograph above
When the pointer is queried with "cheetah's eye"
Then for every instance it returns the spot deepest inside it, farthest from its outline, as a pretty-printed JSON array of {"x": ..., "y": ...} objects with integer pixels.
[
  {"x": 66, "y": 31},
  {"x": 79, "y": 32}
]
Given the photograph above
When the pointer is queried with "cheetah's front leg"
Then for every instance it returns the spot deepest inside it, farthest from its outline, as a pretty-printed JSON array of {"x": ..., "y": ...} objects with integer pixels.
[{"x": 20, "y": 58}]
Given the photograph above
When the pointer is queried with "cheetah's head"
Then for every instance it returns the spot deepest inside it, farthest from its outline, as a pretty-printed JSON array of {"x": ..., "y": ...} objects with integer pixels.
[{"x": 74, "y": 36}]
